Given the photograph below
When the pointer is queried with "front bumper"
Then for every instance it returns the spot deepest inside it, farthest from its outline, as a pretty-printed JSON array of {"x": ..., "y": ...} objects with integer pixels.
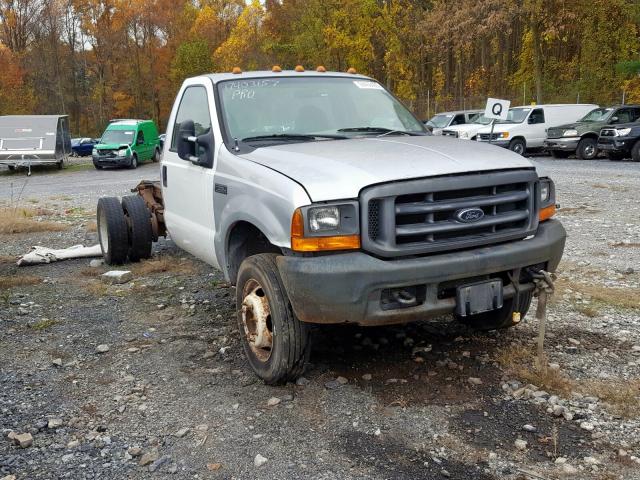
[
  {"x": 616, "y": 144},
  {"x": 105, "y": 161},
  {"x": 499, "y": 142},
  {"x": 348, "y": 287},
  {"x": 567, "y": 144}
]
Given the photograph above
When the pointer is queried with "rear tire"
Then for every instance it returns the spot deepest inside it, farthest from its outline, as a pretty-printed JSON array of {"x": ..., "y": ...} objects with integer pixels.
[
  {"x": 587, "y": 149},
  {"x": 615, "y": 156},
  {"x": 139, "y": 225},
  {"x": 112, "y": 231},
  {"x": 501, "y": 318},
  {"x": 635, "y": 152},
  {"x": 279, "y": 348},
  {"x": 559, "y": 154},
  {"x": 518, "y": 145}
]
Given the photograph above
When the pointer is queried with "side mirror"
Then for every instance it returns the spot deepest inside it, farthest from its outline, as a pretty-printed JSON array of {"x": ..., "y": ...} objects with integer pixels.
[
  {"x": 614, "y": 120},
  {"x": 531, "y": 120},
  {"x": 197, "y": 150}
]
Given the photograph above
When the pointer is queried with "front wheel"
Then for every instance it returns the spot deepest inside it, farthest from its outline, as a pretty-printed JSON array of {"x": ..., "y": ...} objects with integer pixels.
[
  {"x": 502, "y": 317},
  {"x": 518, "y": 146},
  {"x": 134, "y": 161},
  {"x": 635, "y": 152},
  {"x": 276, "y": 343},
  {"x": 587, "y": 149}
]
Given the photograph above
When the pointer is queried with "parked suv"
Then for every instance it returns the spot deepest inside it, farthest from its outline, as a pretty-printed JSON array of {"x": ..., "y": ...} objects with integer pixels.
[
  {"x": 526, "y": 127},
  {"x": 621, "y": 141},
  {"x": 339, "y": 208},
  {"x": 440, "y": 121},
  {"x": 126, "y": 143},
  {"x": 581, "y": 137},
  {"x": 467, "y": 131}
]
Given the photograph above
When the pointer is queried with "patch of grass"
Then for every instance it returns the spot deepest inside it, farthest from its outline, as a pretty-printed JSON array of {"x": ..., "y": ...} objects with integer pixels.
[
  {"x": 7, "y": 259},
  {"x": 43, "y": 324},
  {"x": 33, "y": 200},
  {"x": 22, "y": 220},
  {"x": 616, "y": 297},
  {"x": 97, "y": 288},
  {"x": 520, "y": 360},
  {"x": 163, "y": 265},
  {"x": 622, "y": 396},
  {"x": 92, "y": 227},
  {"x": 586, "y": 310},
  {"x": 91, "y": 272},
  {"x": 18, "y": 281}
]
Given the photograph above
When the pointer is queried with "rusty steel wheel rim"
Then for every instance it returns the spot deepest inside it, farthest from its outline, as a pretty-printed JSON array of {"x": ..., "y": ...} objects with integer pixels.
[{"x": 256, "y": 320}]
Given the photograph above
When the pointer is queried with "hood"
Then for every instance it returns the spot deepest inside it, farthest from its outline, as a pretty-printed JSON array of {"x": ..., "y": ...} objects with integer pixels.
[
  {"x": 339, "y": 169},
  {"x": 501, "y": 127}
]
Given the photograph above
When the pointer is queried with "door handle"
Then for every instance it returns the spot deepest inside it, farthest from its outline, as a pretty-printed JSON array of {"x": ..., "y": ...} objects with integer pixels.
[{"x": 164, "y": 176}]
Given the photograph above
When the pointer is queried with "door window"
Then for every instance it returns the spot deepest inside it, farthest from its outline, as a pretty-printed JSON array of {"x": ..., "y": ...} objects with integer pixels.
[
  {"x": 537, "y": 116},
  {"x": 624, "y": 115},
  {"x": 458, "y": 120},
  {"x": 140, "y": 137},
  {"x": 194, "y": 105}
]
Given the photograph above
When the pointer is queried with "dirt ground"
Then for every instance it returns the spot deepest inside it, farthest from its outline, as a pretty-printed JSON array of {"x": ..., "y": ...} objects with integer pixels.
[{"x": 148, "y": 379}]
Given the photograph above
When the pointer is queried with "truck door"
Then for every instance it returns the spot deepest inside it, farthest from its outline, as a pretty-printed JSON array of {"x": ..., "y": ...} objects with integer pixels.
[
  {"x": 537, "y": 131},
  {"x": 188, "y": 188}
]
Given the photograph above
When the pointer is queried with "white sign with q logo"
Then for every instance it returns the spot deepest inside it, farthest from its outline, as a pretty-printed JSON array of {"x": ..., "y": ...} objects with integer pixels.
[{"x": 497, "y": 109}]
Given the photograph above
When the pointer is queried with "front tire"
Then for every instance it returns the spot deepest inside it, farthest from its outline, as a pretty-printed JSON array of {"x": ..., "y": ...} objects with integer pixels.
[
  {"x": 518, "y": 145},
  {"x": 635, "y": 152},
  {"x": 501, "y": 318},
  {"x": 587, "y": 149},
  {"x": 134, "y": 162},
  {"x": 276, "y": 343},
  {"x": 113, "y": 233}
]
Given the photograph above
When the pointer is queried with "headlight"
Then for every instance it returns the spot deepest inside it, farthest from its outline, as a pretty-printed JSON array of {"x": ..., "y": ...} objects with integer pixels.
[
  {"x": 463, "y": 135},
  {"x": 623, "y": 132},
  {"x": 122, "y": 152},
  {"x": 323, "y": 219},
  {"x": 94, "y": 151},
  {"x": 317, "y": 228},
  {"x": 503, "y": 135},
  {"x": 547, "y": 191},
  {"x": 570, "y": 133}
]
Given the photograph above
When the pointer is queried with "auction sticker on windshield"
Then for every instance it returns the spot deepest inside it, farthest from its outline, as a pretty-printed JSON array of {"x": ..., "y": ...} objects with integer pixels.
[{"x": 368, "y": 84}]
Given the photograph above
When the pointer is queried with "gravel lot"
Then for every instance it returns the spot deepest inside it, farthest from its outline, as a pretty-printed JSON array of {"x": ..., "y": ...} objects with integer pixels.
[{"x": 148, "y": 379}]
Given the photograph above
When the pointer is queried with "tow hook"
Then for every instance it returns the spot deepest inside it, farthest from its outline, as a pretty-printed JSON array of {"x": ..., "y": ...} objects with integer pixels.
[{"x": 544, "y": 282}]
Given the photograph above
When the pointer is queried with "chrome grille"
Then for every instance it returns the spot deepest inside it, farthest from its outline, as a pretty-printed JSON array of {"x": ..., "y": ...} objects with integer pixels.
[
  {"x": 450, "y": 133},
  {"x": 555, "y": 133},
  {"x": 485, "y": 136},
  {"x": 419, "y": 216}
]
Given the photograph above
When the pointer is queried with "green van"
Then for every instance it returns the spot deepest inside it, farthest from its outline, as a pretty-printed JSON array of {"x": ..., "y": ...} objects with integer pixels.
[{"x": 126, "y": 143}]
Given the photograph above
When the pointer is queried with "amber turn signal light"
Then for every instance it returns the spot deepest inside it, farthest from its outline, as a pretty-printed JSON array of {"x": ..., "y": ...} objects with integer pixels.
[
  {"x": 299, "y": 68},
  {"x": 547, "y": 212},
  {"x": 300, "y": 243}
]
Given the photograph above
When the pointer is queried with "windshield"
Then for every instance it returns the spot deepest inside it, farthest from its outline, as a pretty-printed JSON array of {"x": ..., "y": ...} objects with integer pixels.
[
  {"x": 516, "y": 115},
  {"x": 286, "y": 107},
  {"x": 597, "y": 115},
  {"x": 119, "y": 137},
  {"x": 440, "y": 121},
  {"x": 480, "y": 118}
]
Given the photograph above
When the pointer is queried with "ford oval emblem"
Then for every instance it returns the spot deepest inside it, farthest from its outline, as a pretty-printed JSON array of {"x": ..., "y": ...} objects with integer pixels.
[{"x": 469, "y": 215}]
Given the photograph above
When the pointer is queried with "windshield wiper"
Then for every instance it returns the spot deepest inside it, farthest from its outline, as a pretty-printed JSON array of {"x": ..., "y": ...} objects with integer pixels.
[
  {"x": 383, "y": 130},
  {"x": 292, "y": 136}
]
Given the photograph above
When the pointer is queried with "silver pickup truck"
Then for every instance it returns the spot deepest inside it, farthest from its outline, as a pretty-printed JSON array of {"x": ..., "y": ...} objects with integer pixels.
[{"x": 324, "y": 200}]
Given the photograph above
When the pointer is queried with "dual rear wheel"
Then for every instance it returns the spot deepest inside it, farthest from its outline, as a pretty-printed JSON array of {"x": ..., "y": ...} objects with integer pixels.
[{"x": 124, "y": 229}]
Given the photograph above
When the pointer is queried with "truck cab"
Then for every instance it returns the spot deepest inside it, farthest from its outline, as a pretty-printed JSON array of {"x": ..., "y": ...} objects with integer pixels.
[{"x": 324, "y": 200}]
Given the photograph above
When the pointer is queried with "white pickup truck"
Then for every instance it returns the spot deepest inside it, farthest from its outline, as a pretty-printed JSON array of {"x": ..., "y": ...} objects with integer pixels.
[{"x": 324, "y": 200}]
